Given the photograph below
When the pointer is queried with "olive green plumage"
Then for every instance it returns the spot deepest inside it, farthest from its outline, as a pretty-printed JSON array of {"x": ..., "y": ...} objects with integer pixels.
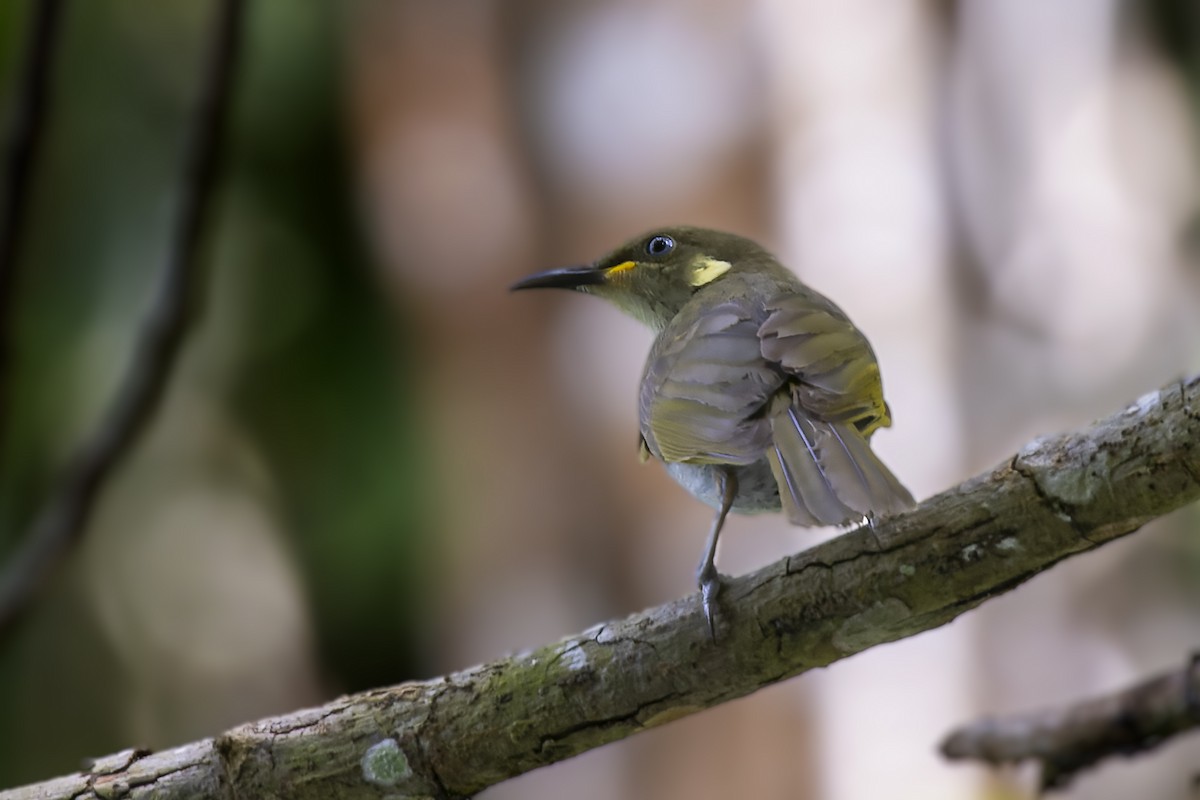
[{"x": 759, "y": 394}]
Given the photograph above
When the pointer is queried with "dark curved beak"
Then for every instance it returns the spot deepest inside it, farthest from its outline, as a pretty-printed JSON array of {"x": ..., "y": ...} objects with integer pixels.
[{"x": 561, "y": 278}]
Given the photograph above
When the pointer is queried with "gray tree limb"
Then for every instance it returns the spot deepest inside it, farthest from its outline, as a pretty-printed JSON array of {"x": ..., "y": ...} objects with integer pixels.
[
  {"x": 1069, "y": 739},
  {"x": 458, "y": 734}
]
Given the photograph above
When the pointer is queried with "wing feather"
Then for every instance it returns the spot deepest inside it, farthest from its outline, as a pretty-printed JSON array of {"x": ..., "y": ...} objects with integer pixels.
[
  {"x": 704, "y": 387},
  {"x": 832, "y": 363}
]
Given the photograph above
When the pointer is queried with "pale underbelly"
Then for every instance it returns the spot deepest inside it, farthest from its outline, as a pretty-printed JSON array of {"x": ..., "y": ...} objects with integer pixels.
[{"x": 757, "y": 490}]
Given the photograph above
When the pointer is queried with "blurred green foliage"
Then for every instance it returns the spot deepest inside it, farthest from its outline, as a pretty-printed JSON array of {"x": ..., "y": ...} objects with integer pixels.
[{"x": 296, "y": 336}]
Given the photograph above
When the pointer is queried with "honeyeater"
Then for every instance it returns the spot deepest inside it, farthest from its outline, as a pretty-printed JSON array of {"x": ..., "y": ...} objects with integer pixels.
[{"x": 759, "y": 394}]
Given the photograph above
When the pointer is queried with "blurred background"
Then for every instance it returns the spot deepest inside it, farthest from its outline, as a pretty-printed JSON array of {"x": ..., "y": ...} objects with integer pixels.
[{"x": 374, "y": 464}]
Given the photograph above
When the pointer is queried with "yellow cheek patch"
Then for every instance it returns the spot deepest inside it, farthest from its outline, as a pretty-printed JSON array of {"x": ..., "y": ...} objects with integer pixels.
[
  {"x": 624, "y": 266},
  {"x": 707, "y": 270}
]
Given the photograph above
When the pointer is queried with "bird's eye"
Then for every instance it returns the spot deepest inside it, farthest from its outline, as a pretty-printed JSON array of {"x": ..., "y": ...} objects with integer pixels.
[{"x": 660, "y": 245}]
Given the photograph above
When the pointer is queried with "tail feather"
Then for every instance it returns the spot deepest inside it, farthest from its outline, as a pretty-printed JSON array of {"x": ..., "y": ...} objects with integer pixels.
[
  {"x": 811, "y": 492},
  {"x": 886, "y": 494},
  {"x": 827, "y": 472},
  {"x": 789, "y": 492}
]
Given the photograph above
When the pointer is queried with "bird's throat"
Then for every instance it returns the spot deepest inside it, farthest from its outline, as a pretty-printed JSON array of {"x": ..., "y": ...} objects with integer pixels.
[{"x": 650, "y": 308}]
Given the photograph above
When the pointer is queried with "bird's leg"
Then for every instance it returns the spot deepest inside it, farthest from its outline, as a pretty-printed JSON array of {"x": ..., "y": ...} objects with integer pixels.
[{"x": 707, "y": 575}]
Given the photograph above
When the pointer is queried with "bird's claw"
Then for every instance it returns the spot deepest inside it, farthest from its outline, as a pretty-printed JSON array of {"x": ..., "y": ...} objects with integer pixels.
[{"x": 710, "y": 588}]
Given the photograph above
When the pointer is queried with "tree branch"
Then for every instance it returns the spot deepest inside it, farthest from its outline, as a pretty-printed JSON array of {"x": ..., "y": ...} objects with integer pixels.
[
  {"x": 1068, "y": 740},
  {"x": 65, "y": 514},
  {"x": 30, "y": 109},
  {"x": 453, "y": 736}
]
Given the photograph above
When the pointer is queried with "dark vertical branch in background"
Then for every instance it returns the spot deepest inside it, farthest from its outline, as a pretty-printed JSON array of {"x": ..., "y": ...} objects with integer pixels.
[
  {"x": 65, "y": 514},
  {"x": 30, "y": 103}
]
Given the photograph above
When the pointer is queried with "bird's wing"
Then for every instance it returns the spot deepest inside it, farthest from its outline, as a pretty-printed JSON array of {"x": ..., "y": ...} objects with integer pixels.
[
  {"x": 834, "y": 368},
  {"x": 822, "y": 418},
  {"x": 704, "y": 388}
]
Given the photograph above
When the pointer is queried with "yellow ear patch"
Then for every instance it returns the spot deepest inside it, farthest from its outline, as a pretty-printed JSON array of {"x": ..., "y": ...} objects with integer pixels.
[
  {"x": 624, "y": 266},
  {"x": 706, "y": 270}
]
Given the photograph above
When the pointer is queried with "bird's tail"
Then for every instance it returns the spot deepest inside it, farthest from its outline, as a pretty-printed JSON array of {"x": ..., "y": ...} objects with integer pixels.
[{"x": 827, "y": 472}]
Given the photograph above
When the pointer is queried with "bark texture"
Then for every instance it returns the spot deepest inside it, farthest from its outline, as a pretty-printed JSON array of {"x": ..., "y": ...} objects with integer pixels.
[{"x": 458, "y": 734}]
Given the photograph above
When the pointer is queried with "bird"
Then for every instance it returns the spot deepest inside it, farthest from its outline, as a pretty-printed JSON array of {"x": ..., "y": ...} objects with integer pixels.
[{"x": 758, "y": 395}]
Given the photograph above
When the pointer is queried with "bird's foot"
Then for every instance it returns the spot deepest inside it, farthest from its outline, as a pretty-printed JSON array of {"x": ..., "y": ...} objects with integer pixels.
[{"x": 710, "y": 587}]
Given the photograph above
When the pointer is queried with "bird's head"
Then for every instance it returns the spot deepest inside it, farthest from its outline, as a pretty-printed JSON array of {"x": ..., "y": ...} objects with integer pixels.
[{"x": 653, "y": 276}]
